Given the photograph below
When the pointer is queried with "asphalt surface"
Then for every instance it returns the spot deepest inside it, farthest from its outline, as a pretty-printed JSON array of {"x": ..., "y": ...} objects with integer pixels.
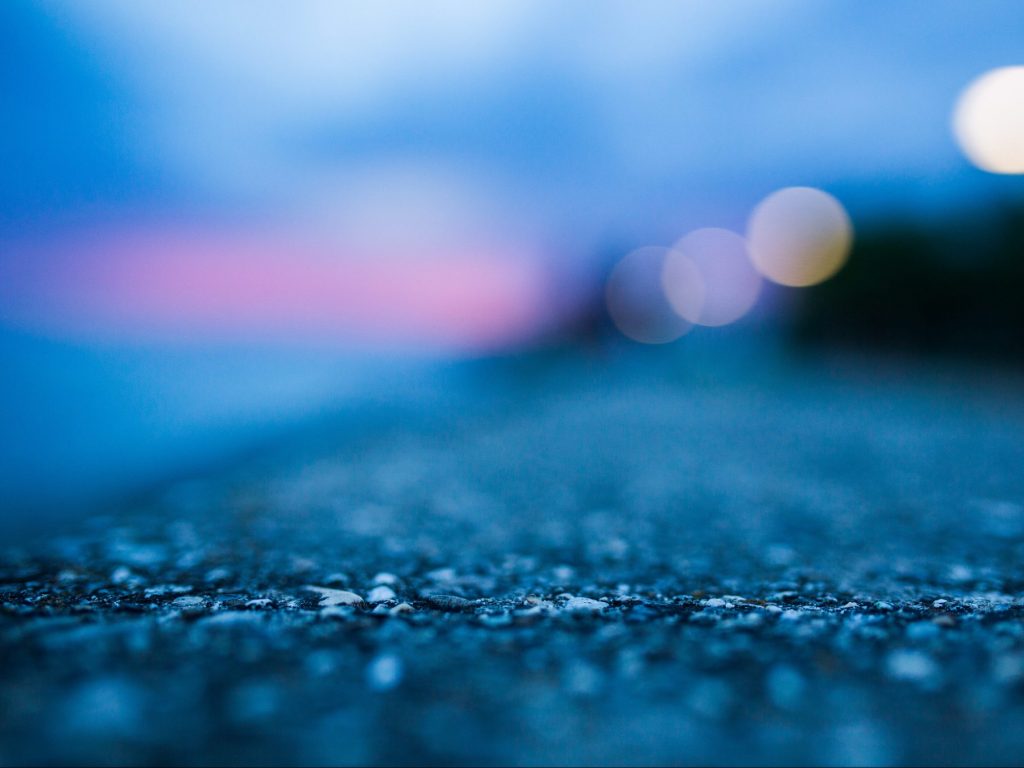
[{"x": 612, "y": 562}]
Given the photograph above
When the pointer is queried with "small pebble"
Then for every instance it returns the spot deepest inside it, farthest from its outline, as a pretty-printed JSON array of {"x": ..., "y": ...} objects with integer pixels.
[
  {"x": 583, "y": 604},
  {"x": 539, "y": 602},
  {"x": 331, "y": 597},
  {"x": 381, "y": 594},
  {"x": 450, "y": 603}
]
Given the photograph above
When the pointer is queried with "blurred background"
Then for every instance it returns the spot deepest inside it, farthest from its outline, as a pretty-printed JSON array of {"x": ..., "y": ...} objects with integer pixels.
[{"x": 221, "y": 221}]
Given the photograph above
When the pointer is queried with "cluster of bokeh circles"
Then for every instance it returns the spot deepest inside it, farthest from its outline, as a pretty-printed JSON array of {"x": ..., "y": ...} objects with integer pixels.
[{"x": 797, "y": 237}]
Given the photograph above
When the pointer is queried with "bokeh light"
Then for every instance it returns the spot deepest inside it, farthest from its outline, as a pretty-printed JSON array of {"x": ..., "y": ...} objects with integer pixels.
[
  {"x": 636, "y": 300},
  {"x": 799, "y": 236},
  {"x": 683, "y": 285},
  {"x": 708, "y": 277},
  {"x": 989, "y": 120}
]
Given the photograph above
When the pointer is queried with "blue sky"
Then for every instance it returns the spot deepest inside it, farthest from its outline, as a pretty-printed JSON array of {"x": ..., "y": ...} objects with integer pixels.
[{"x": 586, "y": 119}]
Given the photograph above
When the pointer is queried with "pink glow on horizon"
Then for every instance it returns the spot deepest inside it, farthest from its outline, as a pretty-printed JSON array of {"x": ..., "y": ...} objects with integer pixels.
[{"x": 173, "y": 285}]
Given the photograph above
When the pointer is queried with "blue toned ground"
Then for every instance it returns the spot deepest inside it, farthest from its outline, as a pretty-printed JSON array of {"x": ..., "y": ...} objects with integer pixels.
[{"x": 597, "y": 562}]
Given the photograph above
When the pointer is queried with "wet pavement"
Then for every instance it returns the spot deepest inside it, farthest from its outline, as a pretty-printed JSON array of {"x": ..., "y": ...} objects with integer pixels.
[{"x": 600, "y": 563}]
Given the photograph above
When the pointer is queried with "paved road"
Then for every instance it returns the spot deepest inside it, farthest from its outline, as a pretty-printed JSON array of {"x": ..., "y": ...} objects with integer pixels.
[{"x": 599, "y": 562}]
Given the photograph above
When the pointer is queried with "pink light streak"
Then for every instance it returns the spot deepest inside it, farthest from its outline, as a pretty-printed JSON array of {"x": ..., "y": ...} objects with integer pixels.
[{"x": 171, "y": 285}]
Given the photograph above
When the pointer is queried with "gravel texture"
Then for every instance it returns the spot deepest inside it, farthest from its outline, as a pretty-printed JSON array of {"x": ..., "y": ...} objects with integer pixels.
[{"x": 605, "y": 563}]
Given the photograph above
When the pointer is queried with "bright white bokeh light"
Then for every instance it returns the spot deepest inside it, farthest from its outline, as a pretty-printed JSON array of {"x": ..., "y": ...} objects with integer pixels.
[
  {"x": 989, "y": 120},
  {"x": 636, "y": 300},
  {"x": 709, "y": 279},
  {"x": 799, "y": 236}
]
